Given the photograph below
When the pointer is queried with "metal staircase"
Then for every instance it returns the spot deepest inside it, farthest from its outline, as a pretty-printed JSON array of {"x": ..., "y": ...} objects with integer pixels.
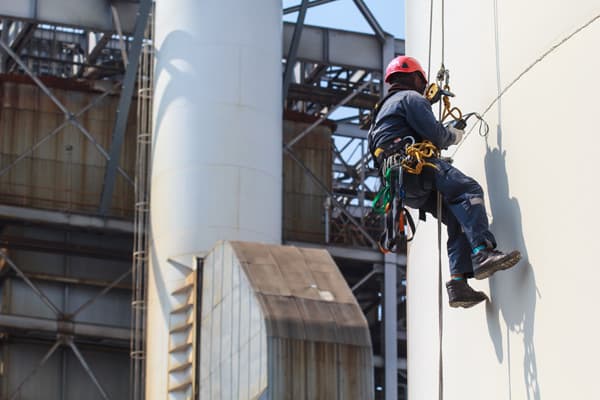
[{"x": 182, "y": 340}]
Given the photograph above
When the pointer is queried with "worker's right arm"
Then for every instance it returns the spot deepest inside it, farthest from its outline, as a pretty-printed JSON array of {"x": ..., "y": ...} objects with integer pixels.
[{"x": 420, "y": 118}]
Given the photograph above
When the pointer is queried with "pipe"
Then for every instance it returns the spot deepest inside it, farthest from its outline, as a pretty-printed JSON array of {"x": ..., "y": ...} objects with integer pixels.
[{"x": 61, "y": 327}]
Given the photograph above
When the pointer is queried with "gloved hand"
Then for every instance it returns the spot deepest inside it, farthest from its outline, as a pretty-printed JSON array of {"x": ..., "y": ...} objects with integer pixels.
[{"x": 458, "y": 134}]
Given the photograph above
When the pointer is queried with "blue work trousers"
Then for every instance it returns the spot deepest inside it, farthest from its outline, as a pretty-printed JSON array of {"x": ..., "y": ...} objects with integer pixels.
[{"x": 463, "y": 211}]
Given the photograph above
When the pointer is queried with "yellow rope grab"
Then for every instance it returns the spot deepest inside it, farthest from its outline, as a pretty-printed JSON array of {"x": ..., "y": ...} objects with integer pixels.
[
  {"x": 454, "y": 112},
  {"x": 417, "y": 155}
]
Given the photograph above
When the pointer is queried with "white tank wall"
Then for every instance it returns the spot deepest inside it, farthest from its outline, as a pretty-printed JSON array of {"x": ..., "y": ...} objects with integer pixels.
[
  {"x": 216, "y": 171},
  {"x": 538, "y": 338}
]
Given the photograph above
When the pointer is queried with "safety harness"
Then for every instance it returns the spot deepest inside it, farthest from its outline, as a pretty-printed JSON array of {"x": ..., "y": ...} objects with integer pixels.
[{"x": 392, "y": 159}]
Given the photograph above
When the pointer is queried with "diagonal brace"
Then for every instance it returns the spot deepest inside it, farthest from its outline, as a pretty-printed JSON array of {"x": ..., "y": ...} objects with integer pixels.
[
  {"x": 318, "y": 122},
  {"x": 35, "y": 370},
  {"x": 70, "y": 117},
  {"x": 33, "y": 287},
  {"x": 124, "y": 105},
  {"x": 336, "y": 203},
  {"x": 47, "y": 137},
  {"x": 87, "y": 368},
  {"x": 59, "y": 128},
  {"x": 371, "y": 20},
  {"x": 99, "y": 294},
  {"x": 291, "y": 58}
]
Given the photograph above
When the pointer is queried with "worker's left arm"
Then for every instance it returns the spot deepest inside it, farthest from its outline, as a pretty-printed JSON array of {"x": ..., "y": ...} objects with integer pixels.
[{"x": 420, "y": 118}]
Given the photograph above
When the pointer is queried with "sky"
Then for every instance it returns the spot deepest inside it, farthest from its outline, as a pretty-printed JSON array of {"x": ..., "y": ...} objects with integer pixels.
[{"x": 343, "y": 14}]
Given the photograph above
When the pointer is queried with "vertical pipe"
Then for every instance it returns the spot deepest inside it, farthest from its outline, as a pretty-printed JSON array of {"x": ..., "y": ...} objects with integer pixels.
[
  {"x": 216, "y": 157},
  {"x": 391, "y": 327},
  {"x": 4, "y": 38}
]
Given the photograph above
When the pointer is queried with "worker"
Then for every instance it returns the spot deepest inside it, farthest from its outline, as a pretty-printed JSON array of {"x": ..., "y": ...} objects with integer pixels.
[{"x": 405, "y": 115}]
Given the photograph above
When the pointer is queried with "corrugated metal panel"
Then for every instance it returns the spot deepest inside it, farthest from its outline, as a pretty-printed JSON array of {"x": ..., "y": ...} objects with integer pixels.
[
  {"x": 233, "y": 353},
  {"x": 314, "y": 336},
  {"x": 66, "y": 172},
  {"x": 110, "y": 367},
  {"x": 303, "y": 199},
  {"x": 111, "y": 309},
  {"x": 21, "y": 358}
]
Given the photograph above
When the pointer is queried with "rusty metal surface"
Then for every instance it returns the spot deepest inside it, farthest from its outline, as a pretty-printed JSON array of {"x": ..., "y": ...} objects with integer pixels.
[
  {"x": 303, "y": 200},
  {"x": 281, "y": 322},
  {"x": 311, "y": 370},
  {"x": 303, "y": 294},
  {"x": 67, "y": 172}
]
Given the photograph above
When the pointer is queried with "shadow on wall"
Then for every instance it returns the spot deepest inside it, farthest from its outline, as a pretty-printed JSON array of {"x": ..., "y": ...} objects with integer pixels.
[
  {"x": 179, "y": 75},
  {"x": 513, "y": 293}
]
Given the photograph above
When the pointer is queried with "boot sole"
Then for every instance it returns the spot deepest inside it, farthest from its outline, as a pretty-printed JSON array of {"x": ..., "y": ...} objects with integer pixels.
[
  {"x": 509, "y": 261},
  {"x": 465, "y": 304}
]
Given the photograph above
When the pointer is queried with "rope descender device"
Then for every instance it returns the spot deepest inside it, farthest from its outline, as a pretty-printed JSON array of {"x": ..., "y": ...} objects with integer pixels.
[{"x": 440, "y": 90}]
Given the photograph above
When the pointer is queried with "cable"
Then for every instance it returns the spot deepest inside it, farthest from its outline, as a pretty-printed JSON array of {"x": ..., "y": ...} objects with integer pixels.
[
  {"x": 525, "y": 71},
  {"x": 430, "y": 34}
]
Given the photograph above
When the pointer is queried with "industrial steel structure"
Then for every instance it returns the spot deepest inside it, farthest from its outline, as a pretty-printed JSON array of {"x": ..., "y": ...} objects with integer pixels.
[{"x": 75, "y": 187}]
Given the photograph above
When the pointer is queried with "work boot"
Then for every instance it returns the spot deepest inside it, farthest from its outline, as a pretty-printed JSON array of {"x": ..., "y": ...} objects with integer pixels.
[
  {"x": 460, "y": 294},
  {"x": 487, "y": 261}
]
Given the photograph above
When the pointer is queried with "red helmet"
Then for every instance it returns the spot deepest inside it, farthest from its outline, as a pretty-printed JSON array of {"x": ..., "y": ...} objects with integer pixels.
[{"x": 403, "y": 64}]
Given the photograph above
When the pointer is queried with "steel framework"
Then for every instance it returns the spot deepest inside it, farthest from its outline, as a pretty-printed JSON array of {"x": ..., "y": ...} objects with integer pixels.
[{"x": 333, "y": 74}]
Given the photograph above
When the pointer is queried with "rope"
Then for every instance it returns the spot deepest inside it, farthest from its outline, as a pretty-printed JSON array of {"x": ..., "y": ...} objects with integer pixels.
[
  {"x": 525, "y": 71},
  {"x": 447, "y": 111},
  {"x": 440, "y": 303},
  {"x": 416, "y": 155},
  {"x": 430, "y": 34}
]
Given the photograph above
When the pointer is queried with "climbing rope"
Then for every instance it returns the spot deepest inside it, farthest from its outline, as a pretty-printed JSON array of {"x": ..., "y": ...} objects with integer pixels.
[
  {"x": 523, "y": 73},
  {"x": 417, "y": 155},
  {"x": 442, "y": 75}
]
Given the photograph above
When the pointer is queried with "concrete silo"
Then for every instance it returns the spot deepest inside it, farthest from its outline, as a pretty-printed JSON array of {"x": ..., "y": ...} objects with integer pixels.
[{"x": 528, "y": 66}]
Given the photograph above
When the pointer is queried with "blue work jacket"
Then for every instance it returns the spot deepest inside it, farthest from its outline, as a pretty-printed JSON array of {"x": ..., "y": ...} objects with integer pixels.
[{"x": 407, "y": 113}]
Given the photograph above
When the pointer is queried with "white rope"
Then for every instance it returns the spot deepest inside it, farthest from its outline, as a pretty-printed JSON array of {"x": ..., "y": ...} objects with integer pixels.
[{"x": 525, "y": 71}]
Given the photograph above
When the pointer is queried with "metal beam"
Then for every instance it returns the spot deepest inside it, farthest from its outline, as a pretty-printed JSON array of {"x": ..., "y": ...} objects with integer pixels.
[
  {"x": 365, "y": 279},
  {"x": 45, "y": 299},
  {"x": 313, "y": 3},
  {"x": 50, "y": 326},
  {"x": 99, "y": 294},
  {"x": 19, "y": 39},
  {"x": 66, "y": 219},
  {"x": 371, "y": 20},
  {"x": 293, "y": 51},
  {"x": 59, "y": 128},
  {"x": 52, "y": 247},
  {"x": 338, "y": 47},
  {"x": 366, "y": 255},
  {"x": 123, "y": 108},
  {"x": 388, "y": 52},
  {"x": 378, "y": 362},
  {"x": 327, "y": 96},
  {"x": 35, "y": 370},
  {"x": 68, "y": 115},
  {"x": 98, "y": 45},
  {"x": 87, "y": 368},
  {"x": 309, "y": 129},
  {"x": 351, "y": 131},
  {"x": 118, "y": 27},
  {"x": 5, "y": 38},
  {"x": 320, "y": 45},
  {"x": 336, "y": 203},
  {"x": 96, "y": 42},
  {"x": 85, "y": 14}
]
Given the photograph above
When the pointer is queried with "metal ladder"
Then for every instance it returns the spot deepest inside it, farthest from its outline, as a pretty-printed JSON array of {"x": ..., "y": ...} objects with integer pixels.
[{"x": 182, "y": 340}]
